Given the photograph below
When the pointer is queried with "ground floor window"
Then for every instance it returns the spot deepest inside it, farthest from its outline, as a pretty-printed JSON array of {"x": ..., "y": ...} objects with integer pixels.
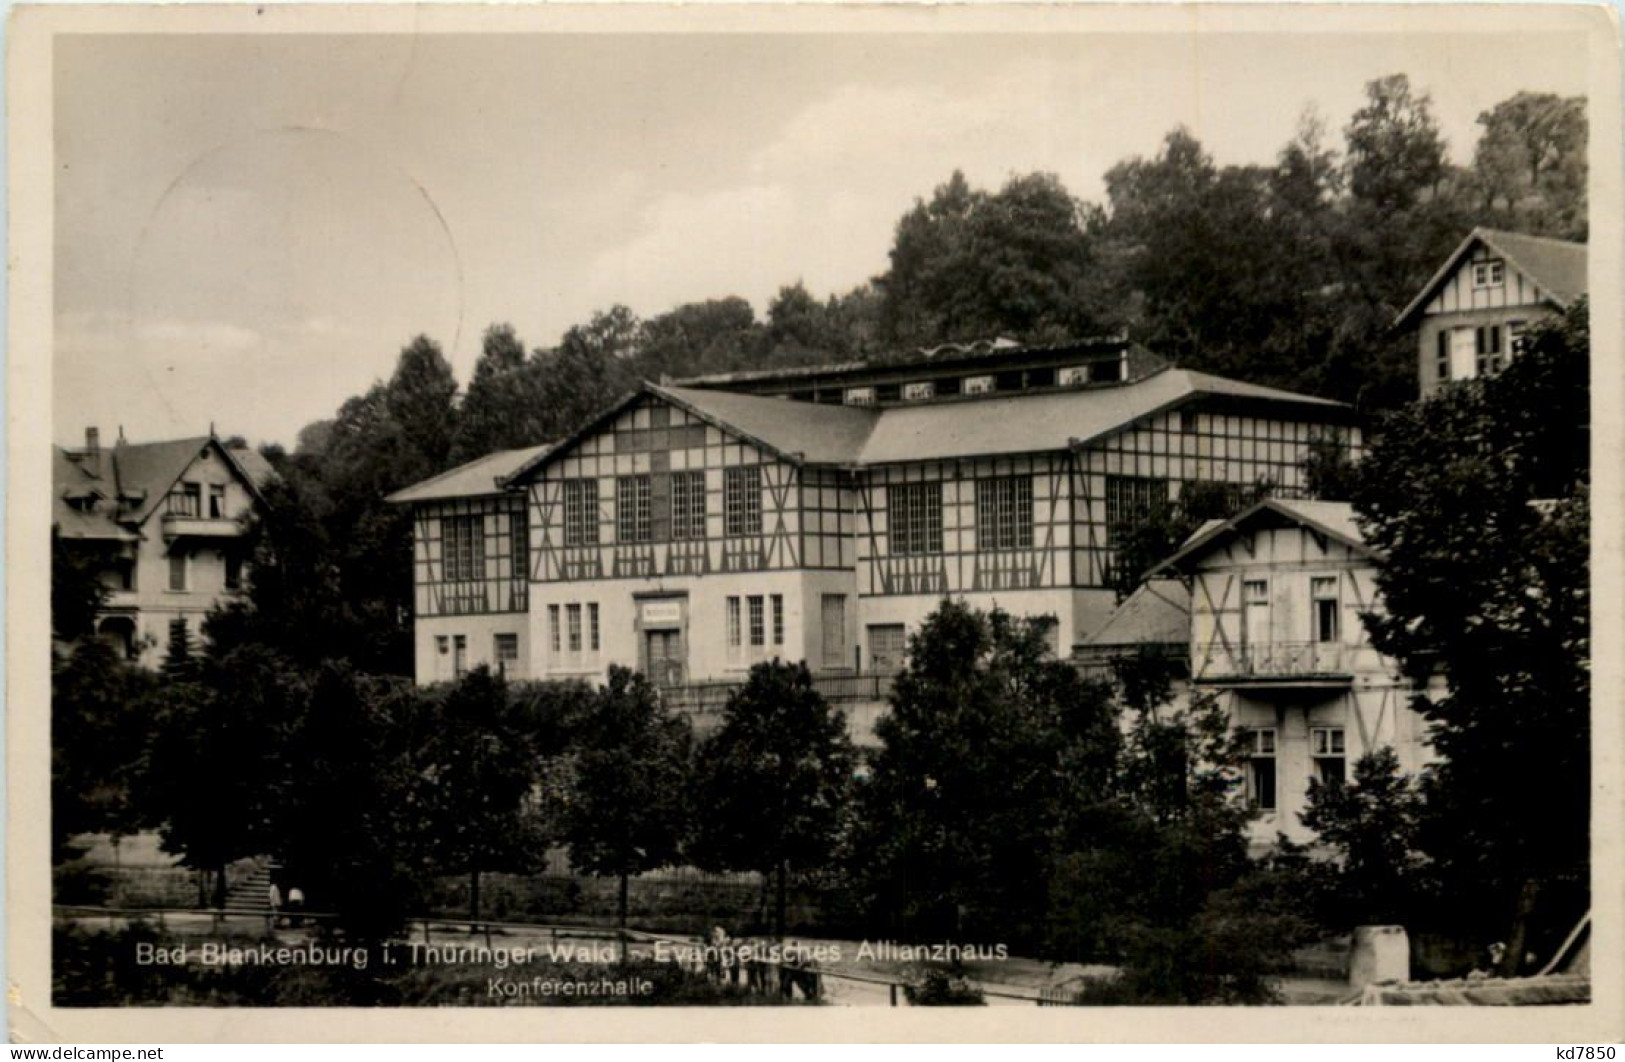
[
  {"x": 459, "y": 655},
  {"x": 1326, "y": 745},
  {"x": 887, "y": 642},
  {"x": 505, "y": 649},
  {"x": 834, "y": 628},
  {"x": 1261, "y": 768}
]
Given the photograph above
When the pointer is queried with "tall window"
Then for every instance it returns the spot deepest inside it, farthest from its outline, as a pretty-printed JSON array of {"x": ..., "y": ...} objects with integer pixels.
[
  {"x": 581, "y": 512},
  {"x": 234, "y": 571},
  {"x": 914, "y": 516},
  {"x": 688, "y": 505},
  {"x": 734, "y": 639},
  {"x": 758, "y": 621},
  {"x": 553, "y": 633},
  {"x": 1326, "y": 745},
  {"x": 778, "y": 619},
  {"x": 217, "y": 501},
  {"x": 1487, "y": 348},
  {"x": 519, "y": 543},
  {"x": 592, "y": 625},
  {"x": 462, "y": 544},
  {"x": 742, "y": 500},
  {"x": 1323, "y": 594},
  {"x": 505, "y": 648},
  {"x": 1130, "y": 500},
  {"x": 1441, "y": 352},
  {"x": 632, "y": 509},
  {"x": 177, "y": 570},
  {"x": 186, "y": 500},
  {"x": 1004, "y": 513},
  {"x": 834, "y": 624},
  {"x": 459, "y": 655},
  {"x": 1261, "y": 768},
  {"x": 572, "y": 616}
]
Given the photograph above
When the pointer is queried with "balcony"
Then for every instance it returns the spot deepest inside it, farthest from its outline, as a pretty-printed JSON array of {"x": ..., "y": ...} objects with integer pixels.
[
  {"x": 191, "y": 525},
  {"x": 1277, "y": 664}
]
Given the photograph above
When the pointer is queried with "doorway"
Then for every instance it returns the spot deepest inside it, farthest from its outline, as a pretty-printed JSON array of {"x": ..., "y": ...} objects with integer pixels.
[{"x": 663, "y": 651}]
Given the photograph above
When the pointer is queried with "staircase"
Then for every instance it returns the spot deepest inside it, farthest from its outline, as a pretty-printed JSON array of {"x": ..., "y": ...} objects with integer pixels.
[{"x": 251, "y": 894}]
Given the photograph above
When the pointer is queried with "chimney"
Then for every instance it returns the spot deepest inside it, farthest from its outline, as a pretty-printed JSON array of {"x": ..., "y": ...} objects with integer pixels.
[{"x": 93, "y": 441}]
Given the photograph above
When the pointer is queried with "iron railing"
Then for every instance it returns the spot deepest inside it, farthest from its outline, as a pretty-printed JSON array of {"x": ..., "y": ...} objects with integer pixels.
[
  {"x": 703, "y": 698},
  {"x": 1277, "y": 660}
]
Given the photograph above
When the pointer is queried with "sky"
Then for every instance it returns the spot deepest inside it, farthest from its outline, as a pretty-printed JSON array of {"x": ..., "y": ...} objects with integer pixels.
[{"x": 250, "y": 227}]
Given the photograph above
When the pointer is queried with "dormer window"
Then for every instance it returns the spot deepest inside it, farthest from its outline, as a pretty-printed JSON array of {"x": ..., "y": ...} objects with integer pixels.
[
  {"x": 920, "y": 391},
  {"x": 1489, "y": 274}
]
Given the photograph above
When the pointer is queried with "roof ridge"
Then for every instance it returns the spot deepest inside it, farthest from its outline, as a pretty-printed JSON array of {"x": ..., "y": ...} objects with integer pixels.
[{"x": 1531, "y": 236}]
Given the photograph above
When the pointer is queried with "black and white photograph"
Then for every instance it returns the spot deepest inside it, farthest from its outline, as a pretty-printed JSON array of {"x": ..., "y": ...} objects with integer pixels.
[{"x": 836, "y": 511}]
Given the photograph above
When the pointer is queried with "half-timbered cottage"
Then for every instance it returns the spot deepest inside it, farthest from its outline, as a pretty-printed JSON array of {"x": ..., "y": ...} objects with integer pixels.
[
  {"x": 470, "y": 550},
  {"x": 820, "y": 515},
  {"x": 1471, "y": 314},
  {"x": 1276, "y": 596}
]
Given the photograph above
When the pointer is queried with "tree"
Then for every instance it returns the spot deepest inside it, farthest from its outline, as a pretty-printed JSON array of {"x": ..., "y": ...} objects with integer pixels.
[
  {"x": 1395, "y": 150},
  {"x": 973, "y": 265},
  {"x": 178, "y": 655},
  {"x": 1529, "y": 167},
  {"x": 990, "y": 750},
  {"x": 351, "y": 802},
  {"x": 217, "y": 758},
  {"x": 1146, "y": 535},
  {"x": 504, "y": 408},
  {"x": 774, "y": 780},
  {"x": 627, "y": 813},
  {"x": 717, "y": 335},
  {"x": 421, "y": 399},
  {"x": 100, "y": 719},
  {"x": 1478, "y": 500},
  {"x": 77, "y": 593},
  {"x": 480, "y": 770},
  {"x": 1373, "y": 823}
]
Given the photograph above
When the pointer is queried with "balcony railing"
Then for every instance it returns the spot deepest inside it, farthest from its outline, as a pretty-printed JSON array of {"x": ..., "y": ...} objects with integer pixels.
[
  {"x": 1274, "y": 661},
  {"x": 191, "y": 525},
  {"x": 709, "y": 697}
]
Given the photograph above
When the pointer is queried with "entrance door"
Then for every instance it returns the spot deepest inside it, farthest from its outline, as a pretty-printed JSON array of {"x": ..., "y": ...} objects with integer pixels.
[{"x": 664, "y": 651}]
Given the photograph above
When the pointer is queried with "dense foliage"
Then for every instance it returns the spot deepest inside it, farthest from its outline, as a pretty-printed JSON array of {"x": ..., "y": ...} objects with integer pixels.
[
  {"x": 774, "y": 781},
  {"x": 1479, "y": 501}
]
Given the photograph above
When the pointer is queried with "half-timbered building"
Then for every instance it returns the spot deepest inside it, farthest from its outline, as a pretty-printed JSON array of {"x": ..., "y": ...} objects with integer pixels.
[
  {"x": 470, "y": 558},
  {"x": 1276, "y": 596},
  {"x": 1471, "y": 315},
  {"x": 819, "y": 515}
]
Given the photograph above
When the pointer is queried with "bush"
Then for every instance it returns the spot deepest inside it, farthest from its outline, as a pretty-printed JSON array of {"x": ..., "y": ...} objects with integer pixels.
[{"x": 940, "y": 987}]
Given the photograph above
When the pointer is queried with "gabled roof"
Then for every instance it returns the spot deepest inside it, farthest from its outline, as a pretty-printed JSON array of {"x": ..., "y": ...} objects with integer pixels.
[
  {"x": 480, "y": 477},
  {"x": 1158, "y": 613},
  {"x": 1027, "y": 423},
  {"x": 802, "y": 431},
  {"x": 1557, "y": 267},
  {"x": 1052, "y": 420},
  {"x": 133, "y": 479},
  {"x": 1334, "y": 520}
]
